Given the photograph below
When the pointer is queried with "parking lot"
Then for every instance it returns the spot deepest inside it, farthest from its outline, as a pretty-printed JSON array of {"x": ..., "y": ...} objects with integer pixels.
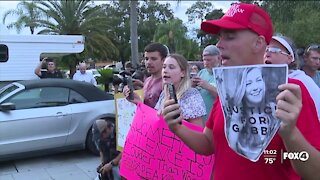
[{"x": 77, "y": 165}]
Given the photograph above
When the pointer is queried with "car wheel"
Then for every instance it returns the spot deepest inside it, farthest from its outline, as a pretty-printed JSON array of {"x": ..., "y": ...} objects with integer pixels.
[{"x": 90, "y": 145}]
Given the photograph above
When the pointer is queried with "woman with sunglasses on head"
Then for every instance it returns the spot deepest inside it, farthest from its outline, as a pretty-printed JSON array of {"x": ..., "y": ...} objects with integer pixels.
[
  {"x": 311, "y": 62},
  {"x": 281, "y": 51}
]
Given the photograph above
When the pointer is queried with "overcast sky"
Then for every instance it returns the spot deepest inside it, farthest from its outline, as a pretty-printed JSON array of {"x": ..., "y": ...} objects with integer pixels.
[{"x": 179, "y": 11}]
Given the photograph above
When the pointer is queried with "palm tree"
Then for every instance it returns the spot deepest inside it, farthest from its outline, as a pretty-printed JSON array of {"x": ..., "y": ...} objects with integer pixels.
[
  {"x": 190, "y": 50},
  {"x": 28, "y": 15},
  {"x": 105, "y": 78},
  {"x": 173, "y": 34},
  {"x": 199, "y": 10},
  {"x": 134, "y": 33},
  {"x": 79, "y": 18}
]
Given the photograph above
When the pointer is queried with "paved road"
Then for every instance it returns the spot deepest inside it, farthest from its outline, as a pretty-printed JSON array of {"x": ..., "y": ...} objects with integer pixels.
[{"x": 77, "y": 165}]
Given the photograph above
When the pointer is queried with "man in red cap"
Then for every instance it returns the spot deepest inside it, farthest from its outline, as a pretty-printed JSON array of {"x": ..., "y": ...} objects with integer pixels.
[{"x": 245, "y": 30}]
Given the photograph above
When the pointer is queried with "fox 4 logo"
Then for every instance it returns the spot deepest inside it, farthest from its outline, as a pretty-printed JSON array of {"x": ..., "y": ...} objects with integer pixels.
[{"x": 302, "y": 156}]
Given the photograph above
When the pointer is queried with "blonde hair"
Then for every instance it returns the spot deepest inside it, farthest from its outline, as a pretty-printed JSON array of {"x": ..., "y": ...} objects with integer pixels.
[{"x": 185, "y": 82}]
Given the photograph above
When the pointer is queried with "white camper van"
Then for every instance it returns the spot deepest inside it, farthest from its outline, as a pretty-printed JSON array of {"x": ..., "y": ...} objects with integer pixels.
[{"x": 20, "y": 54}]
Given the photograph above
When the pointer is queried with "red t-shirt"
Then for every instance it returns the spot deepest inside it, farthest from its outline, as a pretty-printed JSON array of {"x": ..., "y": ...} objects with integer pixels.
[{"x": 229, "y": 165}]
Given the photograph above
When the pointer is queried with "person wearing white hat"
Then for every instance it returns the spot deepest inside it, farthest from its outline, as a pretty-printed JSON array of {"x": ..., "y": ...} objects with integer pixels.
[{"x": 281, "y": 51}]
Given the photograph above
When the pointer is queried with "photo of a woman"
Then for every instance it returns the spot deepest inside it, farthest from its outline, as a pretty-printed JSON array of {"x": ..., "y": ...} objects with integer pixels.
[{"x": 249, "y": 108}]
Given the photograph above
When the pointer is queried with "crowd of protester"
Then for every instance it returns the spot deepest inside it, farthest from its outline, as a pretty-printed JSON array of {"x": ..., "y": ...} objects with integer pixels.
[{"x": 246, "y": 37}]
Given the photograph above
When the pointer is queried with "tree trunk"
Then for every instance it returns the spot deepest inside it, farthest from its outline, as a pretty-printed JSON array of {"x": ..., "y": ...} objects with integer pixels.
[
  {"x": 134, "y": 33},
  {"x": 73, "y": 70},
  {"x": 106, "y": 86},
  {"x": 32, "y": 30},
  {"x": 72, "y": 63}
]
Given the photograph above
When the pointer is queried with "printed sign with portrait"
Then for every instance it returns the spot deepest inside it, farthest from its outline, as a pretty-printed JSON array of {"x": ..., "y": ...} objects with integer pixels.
[{"x": 248, "y": 99}]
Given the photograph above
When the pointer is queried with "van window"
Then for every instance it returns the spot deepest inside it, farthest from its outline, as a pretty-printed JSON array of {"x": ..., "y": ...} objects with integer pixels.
[{"x": 4, "y": 54}]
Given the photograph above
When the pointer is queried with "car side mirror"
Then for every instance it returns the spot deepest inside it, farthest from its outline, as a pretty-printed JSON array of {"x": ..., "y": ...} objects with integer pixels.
[{"x": 7, "y": 106}]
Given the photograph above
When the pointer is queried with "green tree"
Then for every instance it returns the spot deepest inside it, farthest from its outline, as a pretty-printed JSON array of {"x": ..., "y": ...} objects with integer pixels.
[
  {"x": 28, "y": 15},
  {"x": 210, "y": 38},
  {"x": 119, "y": 20},
  {"x": 296, "y": 19},
  {"x": 79, "y": 18},
  {"x": 304, "y": 31},
  {"x": 190, "y": 50},
  {"x": 198, "y": 11},
  {"x": 150, "y": 15},
  {"x": 173, "y": 34},
  {"x": 105, "y": 78}
]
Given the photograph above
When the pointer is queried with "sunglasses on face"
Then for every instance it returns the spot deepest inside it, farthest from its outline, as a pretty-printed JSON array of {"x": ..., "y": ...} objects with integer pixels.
[
  {"x": 276, "y": 51},
  {"x": 313, "y": 47}
]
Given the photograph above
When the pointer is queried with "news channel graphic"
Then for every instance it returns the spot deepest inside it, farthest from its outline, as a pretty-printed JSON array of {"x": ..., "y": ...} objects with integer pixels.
[{"x": 270, "y": 156}]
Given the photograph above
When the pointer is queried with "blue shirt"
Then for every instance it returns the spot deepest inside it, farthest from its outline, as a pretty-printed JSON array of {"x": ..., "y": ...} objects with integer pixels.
[
  {"x": 207, "y": 97},
  {"x": 316, "y": 78}
]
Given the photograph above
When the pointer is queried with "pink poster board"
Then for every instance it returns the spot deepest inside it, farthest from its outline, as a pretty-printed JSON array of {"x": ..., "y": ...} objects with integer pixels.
[{"x": 152, "y": 151}]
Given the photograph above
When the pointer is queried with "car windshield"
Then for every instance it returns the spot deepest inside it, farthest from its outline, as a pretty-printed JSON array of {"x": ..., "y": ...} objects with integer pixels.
[{"x": 8, "y": 89}]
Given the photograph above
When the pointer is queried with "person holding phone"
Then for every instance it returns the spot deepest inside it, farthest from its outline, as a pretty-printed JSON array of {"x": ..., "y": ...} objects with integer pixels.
[
  {"x": 244, "y": 33},
  {"x": 194, "y": 70},
  {"x": 50, "y": 71},
  {"x": 175, "y": 71},
  {"x": 154, "y": 55},
  {"x": 204, "y": 80}
]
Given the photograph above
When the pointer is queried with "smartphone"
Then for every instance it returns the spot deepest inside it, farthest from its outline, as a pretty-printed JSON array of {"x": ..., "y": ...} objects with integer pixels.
[
  {"x": 172, "y": 93},
  {"x": 193, "y": 74},
  {"x": 130, "y": 85}
]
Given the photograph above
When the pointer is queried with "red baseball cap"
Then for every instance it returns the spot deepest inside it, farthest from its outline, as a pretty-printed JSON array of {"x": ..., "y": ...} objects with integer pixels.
[{"x": 242, "y": 16}]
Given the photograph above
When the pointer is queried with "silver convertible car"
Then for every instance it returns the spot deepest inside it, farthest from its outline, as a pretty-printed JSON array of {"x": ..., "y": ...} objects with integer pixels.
[{"x": 50, "y": 115}]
